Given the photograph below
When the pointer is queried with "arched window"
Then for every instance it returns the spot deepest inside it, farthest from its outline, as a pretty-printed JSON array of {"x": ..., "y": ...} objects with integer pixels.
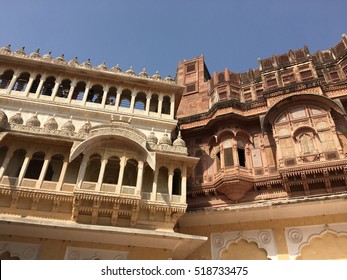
[
  {"x": 163, "y": 177},
  {"x": 15, "y": 163},
  {"x": 3, "y": 152},
  {"x": 111, "y": 96},
  {"x": 79, "y": 90},
  {"x": 72, "y": 170},
  {"x": 241, "y": 153},
  {"x": 140, "y": 101},
  {"x": 48, "y": 86},
  {"x": 166, "y": 105},
  {"x": 64, "y": 88},
  {"x": 148, "y": 177},
  {"x": 125, "y": 99},
  {"x": 130, "y": 173},
  {"x": 228, "y": 154},
  {"x": 54, "y": 169},
  {"x": 176, "y": 183},
  {"x": 153, "y": 107},
  {"x": 22, "y": 82},
  {"x": 95, "y": 94},
  {"x": 35, "y": 165},
  {"x": 5, "y": 79},
  {"x": 112, "y": 171},
  {"x": 93, "y": 168},
  {"x": 35, "y": 84}
]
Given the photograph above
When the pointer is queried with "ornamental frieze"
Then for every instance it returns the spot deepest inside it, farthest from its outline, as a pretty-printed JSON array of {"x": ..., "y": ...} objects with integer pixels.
[{"x": 273, "y": 100}]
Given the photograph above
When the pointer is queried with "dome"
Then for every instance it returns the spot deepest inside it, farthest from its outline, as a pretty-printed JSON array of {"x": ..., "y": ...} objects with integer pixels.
[
  {"x": 20, "y": 51},
  {"x": 47, "y": 56},
  {"x": 156, "y": 76},
  {"x": 168, "y": 79},
  {"x": 130, "y": 71},
  {"x": 85, "y": 128},
  {"x": 165, "y": 140},
  {"x": 51, "y": 124},
  {"x": 151, "y": 138},
  {"x": 68, "y": 126},
  {"x": 6, "y": 49},
  {"x": 143, "y": 73},
  {"x": 116, "y": 69},
  {"x": 87, "y": 64},
  {"x": 60, "y": 59},
  {"x": 102, "y": 66},
  {"x": 17, "y": 118},
  {"x": 35, "y": 54},
  {"x": 179, "y": 142},
  {"x": 3, "y": 119},
  {"x": 73, "y": 62},
  {"x": 33, "y": 121}
]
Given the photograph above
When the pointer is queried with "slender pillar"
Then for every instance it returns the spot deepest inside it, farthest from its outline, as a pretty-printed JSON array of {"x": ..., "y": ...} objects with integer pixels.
[
  {"x": 121, "y": 174},
  {"x": 82, "y": 172},
  {"x": 71, "y": 90},
  {"x": 55, "y": 89},
  {"x": 148, "y": 102},
  {"x": 39, "y": 88},
  {"x": 104, "y": 96},
  {"x": 13, "y": 81},
  {"x": 23, "y": 169},
  {"x": 160, "y": 104},
  {"x": 155, "y": 185},
  {"x": 119, "y": 92},
  {"x": 170, "y": 182},
  {"x": 85, "y": 95},
  {"x": 30, "y": 83},
  {"x": 62, "y": 176},
  {"x": 184, "y": 184},
  {"x": 132, "y": 102},
  {"x": 6, "y": 161},
  {"x": 139, "y": 178},
  {"x": 101, "y": 174},
  {"x": 43, "y": 172},
  {"x": 172, "y": 106},
  {"x": 222, "y": 157}
]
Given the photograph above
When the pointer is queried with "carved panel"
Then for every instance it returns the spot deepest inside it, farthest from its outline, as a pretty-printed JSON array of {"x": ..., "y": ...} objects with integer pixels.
[
  {"x": 77, "y": 253},
  {"x": 264, "y": 238},
  {"x": 24, "y": 251}
]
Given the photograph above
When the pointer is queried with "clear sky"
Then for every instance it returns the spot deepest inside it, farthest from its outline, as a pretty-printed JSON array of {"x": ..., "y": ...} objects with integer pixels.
[{"x": 157, "y": 34}]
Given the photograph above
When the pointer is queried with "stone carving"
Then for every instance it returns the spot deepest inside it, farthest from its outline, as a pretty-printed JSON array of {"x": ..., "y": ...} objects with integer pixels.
[
  {"x": 24, "y": 251},
  {"x": 68, "y": 126},
  {"x": 151, "y": 138},
  {"x": 51, "y": 124},
  {"x": 35, "y": 54},
  {"x": 33, "y": 121},
  {"x": 3, "y": 119},
  {"x": 165, "y": 140},
  {"x": 17, "y": 118},
  {"x": 79, "y": 253},
  {"x": 264, "y": 239},
  {"x": 130, "y": 71},
  {"x": 179, "y": 142},
  {"x": 47, "y": 56},
  {"x": 295, "y": 235}
]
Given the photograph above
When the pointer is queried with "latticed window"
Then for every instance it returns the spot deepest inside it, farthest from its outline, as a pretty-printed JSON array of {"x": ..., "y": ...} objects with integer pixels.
[
  {"x": 327, "y": 141},
  {"x": 306, "y": 144},
  {"x": 287, "y": 147}
]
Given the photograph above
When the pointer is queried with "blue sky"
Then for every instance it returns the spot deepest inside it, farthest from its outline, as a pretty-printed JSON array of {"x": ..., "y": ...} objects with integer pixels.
[{"x": 158, "y": 34}]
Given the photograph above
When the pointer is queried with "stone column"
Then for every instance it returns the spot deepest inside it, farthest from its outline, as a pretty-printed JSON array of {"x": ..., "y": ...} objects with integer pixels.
[
  {"x": 279, "y": 155},
  {"x": 139, "y": 178},
  {"x": 6, "y": 161},
  {"x": 43, "y": 172},
  {"x": 82, "y": 172},
  {"x": 132, "y": 102},
  {"x": 160, "y": 104},
  {"x": 71, "y": 90},
  {"x": 235, "y": 154},
  {"x": 172, "y": 106},
  {"x": 119, "y": 92},
  {"x": 39, "y": 88},
  {"x": 62, "y": 176},
  {"x": 222, "y": 158},
  {"x": 121, "y": 174},
  {"x": 30, "y": 83},
  {"x": 85, "y": 95},
  {"x": 170, "y": 182},
  {"x": 55, "y": 89},
  {"x": 104, "y": 97},
  {"x": 155, "y": 185},
  {"x": 101, "y": 174},
  {"x": 13, "y": 81},
  {"x": 23, "y": 169},
  {"x": 184, "y": 184},
  {"x": 148, "y": 102}
]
